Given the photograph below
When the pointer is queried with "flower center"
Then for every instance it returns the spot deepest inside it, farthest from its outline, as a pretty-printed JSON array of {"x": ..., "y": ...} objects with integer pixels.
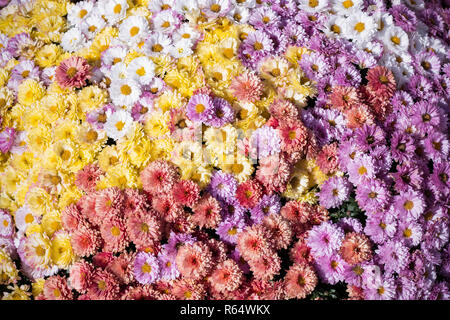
[
  {"x": 407, "y": 233},
  {"x": 426, "y": 65},
  {"x": 125, "y": 89},
  {"x": 82, "y": 13},
  {"x": 215, "y": 8},
  {"x": 426, "y": 117},
  {"x": 347, "y": 4},
  {"x": 257, "y": 45},
  {"x": 362, "y": 170},
  {"x": 395, "y": 40},
  {"x": 292, "y": 135},
  {"x": 101, "y": 285},
  {"x": 408, "y": 205},
  {"x": 301, "y": 281},
  {"x": 157, "y": 48},
  {"x": 5, "y": 223},
  {"x": 71, "y": 72},
  {"x": 232, "y": 231},
  {"x": 56, "y": 293},
  {"x": 382, "y": 225},
  {"x": 65, "y": 155},
  {"x": 443, "y": 177},
  {"x": 119, "y": 125},
  {"x": 199, "y": 108},
  {"x": 373, "y": 195},
  {"x": 29, "y": 218},
  {"x": 40, "y": 251},
  {"x": 115, "y": 231},
  {"x": 360, "y": 26},
  {"x": 134, "y": 31},
  {"x": 380, "y": 290},
  {"x": 313, "y": 3},
  {"x": 165, "y": 24},
  {"x": 237, "y": 168},
  {"x": 144, "y": 227},
  {"x": 146, "y": 268},
  {"x": 118, "y": 8},
  {"x": 336, "y": 29},
  {"x": 401, "y": 147},
  {"x": 140, "y": 72},
  {"x": 265, "y": 19}
]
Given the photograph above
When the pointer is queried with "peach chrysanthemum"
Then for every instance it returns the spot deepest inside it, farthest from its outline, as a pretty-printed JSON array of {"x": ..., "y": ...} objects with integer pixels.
[
  {"x": 344, "y": 98},
  {"x": 159, "y": 177},
  {"x": 280, "y": 230},
  {"x": 207, "y": 212},
  {"x": 327, "y": 159},
  {"x": 114, "y": 234},
  {"x": 109, "y": 203},
  {"x": 294, "y": 136},
  {"x": 300, "y": 252},
  {"x": 72, "y": 72},
  {"x": 355, "y": 248},
  {"x": 188, "y": 289},
  {"x": 85, "y": 241},
  {"x": 122, "y": 267},
  {"x": 104, "y": 286},
  {"x": 247, "y": 87},
  {"x": 56, "y": 288},
  {"x": 194, "y": 261},
  {"x": 359, "y": 115},
  {"x": 249, "y": 193},
  {"x": 143, "y": 227},
  {"x": 71, "y": 218},
  {"x": 134, "y": 201},
  {"x": 86, "y": 179},
  {"x": 265, "y": 266},
  {"x": 80, "y": 274},
  {"x": 297, "y": 212},
  {"x": 273, "y": 173},
  {"x": 186, "y": 192},
  {"x": 166, "y": 207},
  {"x": 300, "y": 281},
  {"x": 381, "y": 82},
  {"x": 226, "y": 277},
  {"x": 283, "y": 109},
  {"x": 253, "y": 242}
]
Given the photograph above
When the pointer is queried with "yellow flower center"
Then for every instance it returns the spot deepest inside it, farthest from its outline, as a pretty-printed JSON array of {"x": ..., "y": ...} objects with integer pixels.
[
  {"x": 313, "y": 3},
  {"x": 122, "y": 180},
  {"x": 362, "y": 171},
  {"x": 25, "y": 73},
  {"x": 347, "y": 4},
  {"x": 56, "y": 293},
  {"x": 360, "y": 26},
  {"x": 186, "y": 35},
  {"x": 29, "y": 218},
  {"x": 266, "y": 19},
  {"x": 237, "y": 168},
  {"x": 91, "y": 136},
  {"x": 407, "y": 233},
  {"x": 119, "y": 125},
  {"x": 215, "y": 8},
  {"x": 165, "y": 7},
  {"x": 232, "y": 231},
  {"x": 140, "y": 72},
  {"x": 237, "y": 17},
  {"x": 118, "y": 8},
  {"x": 117, "y": 60},
  {"x": 372, "y": 195},
  {"x": 384, "y": 79},
  {"x": 55, "y": 180},
  {"x": 82, "y": 13},
  {"x": 157, "y": 48},
  {"x": 335, "y": 192},
  {"x": 382, "y": 225},
  {"x": 92, "y": 28},
  {"x": 248, "y": 193},
  {"x": 334, "y": 264},
  {"x": 165, "y": 24},
  {"x": 257, "y": 45},
  {"x": 134, "y": 31},
  {"x": 101, "y": 285},
  {"x": 168, "y": 264},
  {"x": 40, "y": 251},
  {"x": 65, "y": 155},
  {"x": 335, "y": 29},
  {"x": 275, "y": 72},
  {"x": 199, "y": 108},
  {"x": 71, "y": 72},
  {"x": 125, "y": 89},
  {"x": 5, "y": 223},
  {"x": 380, "y": 290},
  {"x": 426, "y": 65},
  {"x": 115, "y": 231},
  {"x": 146, "y": 268},
  {"x": 144, "y": 227},
  {"x": 408, "y": 205},
  {"x": 395, "y": 40},
  {"x": 292, "y": 135}
]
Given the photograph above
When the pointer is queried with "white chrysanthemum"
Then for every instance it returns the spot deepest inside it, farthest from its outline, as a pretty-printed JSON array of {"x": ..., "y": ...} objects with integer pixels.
[
  {"x": 24, "y": 217},
  {"x": 113, "y": 10},
  {"x": 249, "y": 4},
  {"x": 334, "y": 26},
  {"x": 118, "y": 124},
  {"x": 118, "y": 72},
  {"x": 133, "y": 29},
  {"x": 113, "y": 55},
  {"x": 92, "y": 25},
  {"x": 346, "y": 7},
  {"x": 395, "y": 39},
  {"x": 185, "y": 6},
  {"x": 214, "y": 8},
  {"x": 185, "y": 32},
  {"x": 142, "y": 70},
  {"x": 360, "y": 27},
  {"x": 156, "y": 6},
  {"x": 402, "y": 71},
  {"x": 73, "y": 40},
  {"x": 239, "y": 14},
  {"x": 418, "y": 44},
  {"x": 313, "y": 5},
  {"x": 79, "y": 12},
  {"x": 382, "y": 21},
  {"x": 181, "y": 48},
  {"x": 373, "y": 47},
  {"x": 165, "y": 22},
  {"x": 157, "y": 44},
  {"x": 124, "y": 93}
]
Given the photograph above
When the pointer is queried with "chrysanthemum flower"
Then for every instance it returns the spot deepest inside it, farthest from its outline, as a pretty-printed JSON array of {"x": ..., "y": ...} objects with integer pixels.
[
  {"x": 381, "y": 82},
  {"x": 194, "y": 261},
  {"x": 334, "y": 192},
  {"x": 143, "y": 227},
  {"x": 300, "y": 252},
  {"x": 86, "y": 179},
  {"x": 246, "y": 87},
  {"x": 85, "y": 241},
  {"x": 109, "y": 203},
  {"x": 300, "y": 281},
  {"x": 56, "y": 288},
  {"x": 114, "y": 234},
  {"x": 207, "y": 212},
  {"x": 186, "y": 193},
  {"x": 104, "y": 286},
  {"x": 253, "y": 242},
  {"x": 146, "y": 268},
  {"x": 226, "y": 277},
  {"x": 324, "y": 239},
  {"x": 265, "y": 266},
  {"x": 273, "y": 173},
  {"x": 80, "y": 274},
  {"x": 159, "y": 177},
  {"x": 280, "y": 230},
  {"x": 355, "y": 248},
  {"x": 73, "y": 72},
  {"x": 249, "y": 193}
]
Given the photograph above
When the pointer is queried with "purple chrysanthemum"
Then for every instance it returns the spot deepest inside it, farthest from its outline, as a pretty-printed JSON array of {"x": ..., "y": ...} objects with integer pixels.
[
  {"x": 372, "y": 195},
  {"x": 334, "y": 192},
  {"x": 402, "y": 147},
  {"x": 380, "y": 227},
  {"x": 394, "y": 255},
  {"x": 222, "y": 114},
  {"x": 146, "y": 268},
  {"x": 331, "y": 268},
  {"x": 324, "y": 239},
  {"x": 361, "y": 169},
  {"x": 369, "y": 136},
  {"x": 167, "y": 266},
  {"x": 264, "y": 142},
  {"x": 409, "y": 204},
  {"x": 7, "y": 139},
  {"x": 223, "y": 186},
  {"x": 229, "y": 229},
  {"x": 268, "y": 205},
  {"x": 200, "y": 108}
]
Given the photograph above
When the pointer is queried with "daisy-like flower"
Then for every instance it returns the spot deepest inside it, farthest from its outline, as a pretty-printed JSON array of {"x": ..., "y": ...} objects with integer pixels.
[
  {"x": 142, "y": 70},
  {"x": 361, "y": 169},
  {"x": 186, "y": 32},
  {"x": 85, "y": 241},
  {"x": 394, "y": 255},
  {"x": 25, "y": 217},
  {"x": 246, "y": 87},
  {"x": 146, "y": 268},
  {"x": 92, "y": 25},
  {"x": 114, "y": 10},
  {"x": 410, "y": 232},
  {"x": 165, "y": 22},
  {"x": 133, "y": 29},
  {"x": 73, "y": 40},
  {"x": 56, "y": 288},
  {"x": 181, "y": 48},
  {"x": 264, "y": 142},
  {"x": 324, "y": 239},
  {"x": 223, "y": 186},
  {"x": 395, "y": 39},
  {"x": 118, "y": 124},
  {"x": 104, "y": 286},
  {"x": 257, "y": 44},
  {"x": 7, "y": 139},
  {"x": 200, "y": 108},
  {"x": 86, "y": 179},
  {"x": 360, "y": 27},
  {"x": 263, "y": 17},
  {"x": 80, "y": 274},
  {"x": 313, "y": 5},
  {"x": 159, "y": 177},
  {"x": 372, "y": 195},
  {"x": 207, "y": 212},
  {"x": 6, "y": 224},
  {"x": 124, "y": 93},
  {"x": 410, "y": 204},
  {"x": 34, "y": 250},
  {"x": 334, "y": 192},
  {"x": 229, "y": 229},
  {"x": 249, "y": 193},
  {"x": 143, "y": 228},
  {"x": 381, "y": 288},
  {"x": 113, "y": 231},
  {"x": 157, "y": 43},
  {"x": 215, "y": 8},
  {"x": 346, "y": 7},
  {"x": 381, "y": 227},
  {"x": 79, "y": 12},
  {"x": 331, "y": 268},
  {"x": 167, "y": 266}
]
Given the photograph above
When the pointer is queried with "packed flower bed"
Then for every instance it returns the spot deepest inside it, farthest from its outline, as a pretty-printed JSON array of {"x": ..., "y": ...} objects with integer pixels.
[{"x": 224, "y": 149}]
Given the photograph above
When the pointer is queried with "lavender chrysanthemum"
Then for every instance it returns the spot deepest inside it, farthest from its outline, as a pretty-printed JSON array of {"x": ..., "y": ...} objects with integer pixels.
[
  {"x": 200, "y": 108},
  {"x": 146, "y": 268},
  {"x": 324, "y": 239},
  {"x": 223, "y": 186},
  {"x": 268, "y": 205},
  {"x": 265, "y": 142},
  {"x": 334, "y": 192}
]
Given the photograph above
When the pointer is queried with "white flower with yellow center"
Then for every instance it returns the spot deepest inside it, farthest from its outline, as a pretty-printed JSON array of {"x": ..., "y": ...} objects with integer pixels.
[
  {"x": 239, "y": 14},
  {"x": 157, "y": 44},
  {"x": 181, "y": 48},
  {"x": 248, "y": 4},
  {"x": 73, "y": 40},
  {"x": 92, "y": 25},
  {"x": 359, "y": 27},
  {"x": 165, "y": 22},
  {"x": 395, "y": 39},
  {"x": 118, "y": 124},
  {"x": 113, "y": 10},
  {"x": 36, "y": 250},
  {"x": 156, "y": 6},
  {"x": 313, "y": 5},
  {"x": 113, "y": 56},
  {"x": 24, "y": 218},
  {"x": 346, "y": 7},
  {"x": 133, "y": 29},
  {"x": 79, "y": 12},
  {"x": 186, "y": 32},
  {"x": 142, "y": 70},
  {"x": 334, "y": 26},
  {"x": 124, "y": 93},
  {"x": 412, "y": 4}
]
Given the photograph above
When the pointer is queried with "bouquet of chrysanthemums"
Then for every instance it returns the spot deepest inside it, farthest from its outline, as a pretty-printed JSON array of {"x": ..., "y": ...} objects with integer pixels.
[{"x": 224, "y": 149}]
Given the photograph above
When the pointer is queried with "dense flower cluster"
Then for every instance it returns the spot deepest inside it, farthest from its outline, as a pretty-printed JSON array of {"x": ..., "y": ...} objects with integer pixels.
[{"x": 224, "y": 149}]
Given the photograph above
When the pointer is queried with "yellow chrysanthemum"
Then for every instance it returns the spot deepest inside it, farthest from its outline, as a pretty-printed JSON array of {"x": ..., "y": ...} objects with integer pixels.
[
  {"x": 48, "y": 55},
  {"x": 37, "y": 287},
  {"x": 30, "y": 91},
  {"x": 61, "y": 250}
]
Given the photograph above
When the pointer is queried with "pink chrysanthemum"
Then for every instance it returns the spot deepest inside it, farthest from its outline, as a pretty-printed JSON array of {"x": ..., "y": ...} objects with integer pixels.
[
  {"x": 247, "y": 87},
  {"x": 188, "y": 289},
  {"x": 359, "y": 115},
  {"x": 297, "y": 212},
  {"x": 104, "y": 286},
  {"x": 87, "y": 207},
  {"x": 114, "y": 234},
  {"x": 253, "y": 242},
  {"x": 218, "y": 250},
  {"x": 273, "y": 173},
  {"x": 300, "y": 281},
  {"x": 344, "y": 98},
  {"x": 86, "y": 179},
  {"x": 327, "y": 159},
  {"x": 226, "y": 277},
  {"x": 194, "y": 261},
  {"x": 300, "y": 252},
  {"x": 71, "y": 218},
  {"x": 85, "y": 241},
  {"x": 80, "y": 274},
  {"x": 73, "y": 72},
  {"x": 143, "y": 227},
  {"x": 294, "y": 136},
  {"x": 122, "y": 267},
  {"x": 134, "y": 201},
  {"x": 159, "y": 177},
  {"x": 186, "y": 192},
  {"x": 207, "y": 212},
  {"x": 280, "y": 230},
  {"x": 166, "y": 207},
  {"x": 355, "y": 248},
  {"x": 56, "y": 288},
  {"x": 283, "y": 109},
  {"x": 266, "y": 266},
  {"x": 109, "y": 203},
  {"x": 249, "y": 193},
  {"x": 102, "y": 259},
  {"x": 381, "y": 82}
]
